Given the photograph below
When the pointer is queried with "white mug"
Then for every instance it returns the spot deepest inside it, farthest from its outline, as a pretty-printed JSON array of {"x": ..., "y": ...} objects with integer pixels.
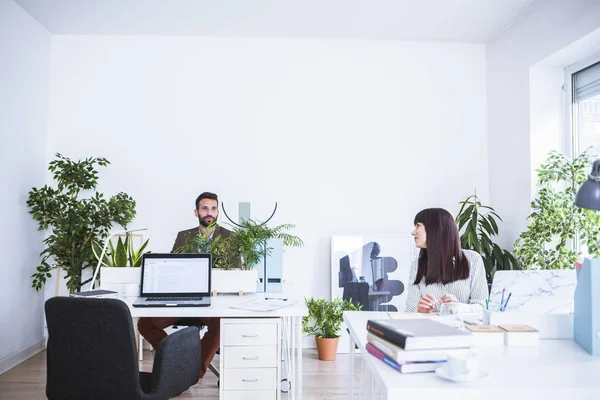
[{"x": 462, "y": 365}]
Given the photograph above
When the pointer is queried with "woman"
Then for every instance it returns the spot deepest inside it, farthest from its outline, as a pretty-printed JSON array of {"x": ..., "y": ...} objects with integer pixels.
[{"x": 444, "y": 274}]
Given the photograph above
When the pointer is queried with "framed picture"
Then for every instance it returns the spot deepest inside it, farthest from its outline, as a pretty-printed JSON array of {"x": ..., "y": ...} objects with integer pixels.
[{"x": 372, "y": 270}]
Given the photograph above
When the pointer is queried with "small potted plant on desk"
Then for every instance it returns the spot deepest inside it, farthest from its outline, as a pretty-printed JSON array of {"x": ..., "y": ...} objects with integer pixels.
[
  {"x": 235, "y": 257},
  {"x": 324, "y": 321},
  {"x": 119, "y": 269}
]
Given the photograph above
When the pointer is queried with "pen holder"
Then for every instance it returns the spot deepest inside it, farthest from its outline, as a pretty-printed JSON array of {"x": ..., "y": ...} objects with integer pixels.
[{"x": 486, "y": 317}]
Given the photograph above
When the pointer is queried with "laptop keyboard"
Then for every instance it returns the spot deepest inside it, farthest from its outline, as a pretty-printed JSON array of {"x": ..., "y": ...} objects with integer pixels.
[{"x": 174, "y": 299}]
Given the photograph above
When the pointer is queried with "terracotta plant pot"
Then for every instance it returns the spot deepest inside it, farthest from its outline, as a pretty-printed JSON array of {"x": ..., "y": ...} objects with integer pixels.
[{"x": 326, "y": 348}]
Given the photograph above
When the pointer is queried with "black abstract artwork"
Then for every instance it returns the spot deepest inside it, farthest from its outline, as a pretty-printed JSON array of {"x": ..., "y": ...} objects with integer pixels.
[{"x": 372, "y": 271}]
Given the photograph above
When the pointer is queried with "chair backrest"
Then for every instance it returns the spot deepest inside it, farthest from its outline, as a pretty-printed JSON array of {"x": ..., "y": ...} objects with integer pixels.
[{"x": 91, "y": 350}]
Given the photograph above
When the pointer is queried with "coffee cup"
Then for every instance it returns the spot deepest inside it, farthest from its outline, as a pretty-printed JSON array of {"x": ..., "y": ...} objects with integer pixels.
[{"x": 462, "y": 365}]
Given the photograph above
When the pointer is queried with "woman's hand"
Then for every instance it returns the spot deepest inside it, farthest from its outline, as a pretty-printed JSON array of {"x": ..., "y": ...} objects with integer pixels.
[
  {"x": 426, "y": 304},
  {"x": 448, "y": 298}
]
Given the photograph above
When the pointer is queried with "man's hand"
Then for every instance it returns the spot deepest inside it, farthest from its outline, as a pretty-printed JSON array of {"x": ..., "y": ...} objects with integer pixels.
[{"x": 426, "y": 304}]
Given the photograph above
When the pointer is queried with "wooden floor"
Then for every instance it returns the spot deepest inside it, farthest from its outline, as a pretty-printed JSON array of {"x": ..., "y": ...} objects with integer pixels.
[{"x": 323, "y": 380}]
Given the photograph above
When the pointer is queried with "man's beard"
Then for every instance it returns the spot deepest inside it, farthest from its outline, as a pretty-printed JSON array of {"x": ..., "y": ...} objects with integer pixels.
[{"x": 204, "y": 223}]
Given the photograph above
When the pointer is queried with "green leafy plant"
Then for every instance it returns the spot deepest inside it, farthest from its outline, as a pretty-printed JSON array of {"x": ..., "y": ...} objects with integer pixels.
[
  {"x": 479, "y": 225},
  {"x": 123, "y": 254},
  {"x": 555, "y": 223},
  {"x": 244, "y": 248},
  {"x": 324, "y": 319},
  {"x": 74, "y": 221},
  {"x": 252, "y": 240}
]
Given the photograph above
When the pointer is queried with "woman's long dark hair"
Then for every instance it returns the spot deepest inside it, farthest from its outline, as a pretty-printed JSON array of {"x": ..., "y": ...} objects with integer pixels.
[{"x": 443, "y": 261}]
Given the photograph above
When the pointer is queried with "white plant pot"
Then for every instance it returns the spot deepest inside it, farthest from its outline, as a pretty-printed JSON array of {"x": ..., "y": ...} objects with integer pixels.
[
  {"x": 125, "y": 280},
  {"x": 232, "y": 281}
]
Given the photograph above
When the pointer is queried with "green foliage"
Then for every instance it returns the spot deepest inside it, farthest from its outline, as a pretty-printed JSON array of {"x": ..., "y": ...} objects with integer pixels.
[
  {"x": 244, "y": 248},
  {"x": 555, "y": 220},
  {"x": 324, "y": 319},
  {"x": 74, "y": 222},
  {"x": 479, "y": 225},
  {"x": 253, "y": 239},
  {"x": 123, "y": 254}
]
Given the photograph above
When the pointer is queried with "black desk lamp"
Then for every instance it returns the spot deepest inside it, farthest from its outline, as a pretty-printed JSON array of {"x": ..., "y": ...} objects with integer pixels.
[
  {"x": 586, "y": 317},
  {"x": 588, "y": 195}
]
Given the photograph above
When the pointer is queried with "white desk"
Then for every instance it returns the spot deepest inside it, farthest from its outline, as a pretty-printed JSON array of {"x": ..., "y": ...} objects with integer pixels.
[
  {"x": 555, "y": 369},
  {"x": 291, "y": 317}
]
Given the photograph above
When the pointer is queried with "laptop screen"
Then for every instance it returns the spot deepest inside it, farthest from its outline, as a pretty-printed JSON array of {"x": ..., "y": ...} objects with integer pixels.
[{"x": 175, "y": 274}]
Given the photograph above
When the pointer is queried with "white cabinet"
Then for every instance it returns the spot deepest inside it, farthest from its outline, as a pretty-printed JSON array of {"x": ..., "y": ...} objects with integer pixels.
[{"x": 250, "y": 365}]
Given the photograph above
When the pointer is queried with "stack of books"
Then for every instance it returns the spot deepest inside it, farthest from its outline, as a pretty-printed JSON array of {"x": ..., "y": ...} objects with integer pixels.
[{"x": 414, "y": 345}]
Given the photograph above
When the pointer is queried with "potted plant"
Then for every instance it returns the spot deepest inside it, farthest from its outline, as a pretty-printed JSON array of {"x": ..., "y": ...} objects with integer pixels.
[
  {"x": 119, "y": 268},
  {"x": 75, "y": 215},
  {"x": 556, "y": 226},
  {"x": 479, "y": 226},
  {"x": 235, "y": 257},
  {"x": 324, "y": 321}
]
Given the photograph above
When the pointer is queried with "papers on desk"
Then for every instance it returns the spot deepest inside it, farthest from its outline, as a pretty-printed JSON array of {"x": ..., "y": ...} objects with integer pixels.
[{"x": 264, "y": 304}]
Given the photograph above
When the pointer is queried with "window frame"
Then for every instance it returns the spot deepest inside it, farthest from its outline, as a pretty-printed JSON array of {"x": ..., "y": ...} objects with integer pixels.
[{"x": 570, "y": 141}]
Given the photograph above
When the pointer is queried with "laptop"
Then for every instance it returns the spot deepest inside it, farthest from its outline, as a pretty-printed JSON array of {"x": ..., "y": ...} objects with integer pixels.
[{"x": 175, "y": 280}]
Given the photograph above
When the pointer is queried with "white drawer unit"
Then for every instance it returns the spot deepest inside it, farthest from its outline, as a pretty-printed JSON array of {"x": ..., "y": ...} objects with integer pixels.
[
  {"x": 249, "y": 333},
  {"x": 250, "y": 379},
  {"x": 250, "y": 363},
  {"x": 250, "y": 395},
  {"x": 249, "y": 356}
]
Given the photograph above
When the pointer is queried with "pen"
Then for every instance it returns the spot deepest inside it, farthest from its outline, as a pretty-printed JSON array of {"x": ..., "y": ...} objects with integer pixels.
[
  {"x": 501, "y": 300},
  {"x": 275, "y": 298},
  {"x": 506, "y": 303},
  {"x": 486, "y": 304}
]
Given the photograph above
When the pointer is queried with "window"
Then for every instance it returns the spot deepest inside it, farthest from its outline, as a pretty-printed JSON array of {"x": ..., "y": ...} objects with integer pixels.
[{"x": 585, "y": 112}]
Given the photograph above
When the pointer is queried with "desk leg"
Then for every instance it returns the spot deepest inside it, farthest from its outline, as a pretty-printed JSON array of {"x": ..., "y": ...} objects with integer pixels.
[
  {"x": 367, "y": 383},
  {"x": 138, "y": 343},
  {"x": 351, "y": 371},
  {"x": 294, "y": 389},
  {"x": 298, "y": 346}
]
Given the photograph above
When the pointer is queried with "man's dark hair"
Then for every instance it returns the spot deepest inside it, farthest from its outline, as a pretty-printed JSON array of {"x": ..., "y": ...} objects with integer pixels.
[
  {"x": 206, "y": 195},
  {"x": 443, "y": 261}
]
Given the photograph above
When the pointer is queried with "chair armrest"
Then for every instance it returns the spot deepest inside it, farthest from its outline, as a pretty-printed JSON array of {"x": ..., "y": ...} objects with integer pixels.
[{"x": 177, "y": 362}]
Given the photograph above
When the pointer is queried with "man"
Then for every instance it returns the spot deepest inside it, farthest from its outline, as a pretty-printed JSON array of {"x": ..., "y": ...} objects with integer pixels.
[{"x": 152, "y": 329}]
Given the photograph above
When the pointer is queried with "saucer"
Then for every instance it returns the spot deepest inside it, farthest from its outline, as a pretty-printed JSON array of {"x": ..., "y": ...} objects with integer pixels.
[{"x": 442, "y": 372}]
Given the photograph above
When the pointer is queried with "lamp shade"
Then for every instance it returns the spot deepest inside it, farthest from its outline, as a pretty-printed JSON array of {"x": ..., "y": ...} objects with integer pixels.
[{"x": 588, "y": 195}]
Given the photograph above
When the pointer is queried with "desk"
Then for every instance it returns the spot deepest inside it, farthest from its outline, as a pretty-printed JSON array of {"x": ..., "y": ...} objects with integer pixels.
[
  {"x": 291, "y": 318},
  {"x": 554, "y": 369}
]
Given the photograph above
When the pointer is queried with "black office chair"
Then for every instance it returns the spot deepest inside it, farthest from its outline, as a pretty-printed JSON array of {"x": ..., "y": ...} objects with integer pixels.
[
  {"x": 191, "y": 321},
  {"x": 91, "y": 354}
]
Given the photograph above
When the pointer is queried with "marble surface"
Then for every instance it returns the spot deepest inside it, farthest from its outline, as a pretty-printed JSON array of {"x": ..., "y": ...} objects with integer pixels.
[{"x": 535, "y": 291}]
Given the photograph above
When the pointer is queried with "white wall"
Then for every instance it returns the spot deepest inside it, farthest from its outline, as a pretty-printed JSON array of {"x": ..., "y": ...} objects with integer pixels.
[
  {"x": 549, "y": 27},
  {"x": 24, "y": 82},
  {"x": 546, "y": 97},
  {"x": 347, "y": 136}
]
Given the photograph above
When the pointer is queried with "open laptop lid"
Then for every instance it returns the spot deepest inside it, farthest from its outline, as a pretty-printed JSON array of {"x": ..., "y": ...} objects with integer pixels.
[{"x": 181, "y": 275}]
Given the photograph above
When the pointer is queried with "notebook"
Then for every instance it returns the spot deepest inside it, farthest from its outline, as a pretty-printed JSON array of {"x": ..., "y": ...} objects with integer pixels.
[
  {"x": 175, "y": 280},
  {"x": 400, "y": 355},
  {"x": 420, "y": 334},
  {"x": 407, "y": 367}
]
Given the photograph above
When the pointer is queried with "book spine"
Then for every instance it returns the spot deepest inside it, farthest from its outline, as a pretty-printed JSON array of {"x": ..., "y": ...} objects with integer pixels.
[
  {"x": 381, "y": 356},
  {"x": 387, "y": 333}
]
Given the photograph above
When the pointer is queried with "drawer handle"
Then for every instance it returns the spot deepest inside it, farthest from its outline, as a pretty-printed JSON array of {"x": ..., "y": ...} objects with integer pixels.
[
  {"x": 250, "y": 358},
  {"x": 250, "y": 380},
  {"x": 252, "y": 335}
]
